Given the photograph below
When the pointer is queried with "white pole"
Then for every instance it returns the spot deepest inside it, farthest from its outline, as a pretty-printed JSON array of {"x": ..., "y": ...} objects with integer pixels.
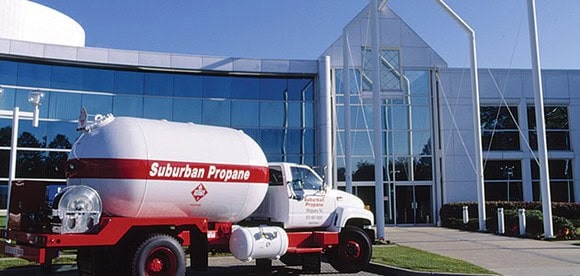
[
  {"x": 377, "y": 128},
  {"x": 347, "y": 127},
  {"x": 325, "y": 122},
  {"x": 476, "y": 116},
  {"x": 540, "y": 123},
  {"x": 13, "y": 156}
]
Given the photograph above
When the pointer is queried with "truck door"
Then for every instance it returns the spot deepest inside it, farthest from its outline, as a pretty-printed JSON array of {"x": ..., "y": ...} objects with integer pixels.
[{"x": 309, "y": 204}]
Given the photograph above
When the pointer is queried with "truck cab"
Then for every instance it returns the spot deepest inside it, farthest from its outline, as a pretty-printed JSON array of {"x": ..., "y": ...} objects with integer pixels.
[{"x": 298, "y": 198}]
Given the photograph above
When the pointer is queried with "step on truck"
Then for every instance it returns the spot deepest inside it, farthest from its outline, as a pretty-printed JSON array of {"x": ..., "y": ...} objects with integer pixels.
[{"x": 141, "y": 194}]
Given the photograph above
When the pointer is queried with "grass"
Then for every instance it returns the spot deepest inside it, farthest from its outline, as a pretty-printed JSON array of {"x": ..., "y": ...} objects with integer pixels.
[{"x": 414, "y": 259}]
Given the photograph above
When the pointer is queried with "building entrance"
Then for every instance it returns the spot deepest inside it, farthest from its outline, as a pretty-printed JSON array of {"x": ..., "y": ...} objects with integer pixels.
[{"x": 413, "y": 204}]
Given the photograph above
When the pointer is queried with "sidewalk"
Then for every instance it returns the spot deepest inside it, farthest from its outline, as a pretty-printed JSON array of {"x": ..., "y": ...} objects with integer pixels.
[{"x": 504, "y": 255}]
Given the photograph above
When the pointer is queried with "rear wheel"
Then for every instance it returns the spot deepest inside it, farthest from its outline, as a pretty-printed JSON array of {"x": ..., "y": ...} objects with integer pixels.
[
  {"x": 353, "y": 252},
  {"x": 159, "y": 255}
]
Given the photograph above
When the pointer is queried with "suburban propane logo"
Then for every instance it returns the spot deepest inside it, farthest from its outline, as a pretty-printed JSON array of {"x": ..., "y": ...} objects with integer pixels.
[{"x": 198, "y": 172}]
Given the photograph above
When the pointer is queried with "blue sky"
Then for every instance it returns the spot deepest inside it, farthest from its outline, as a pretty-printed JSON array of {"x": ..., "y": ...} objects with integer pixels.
[{"x": 303, "y": 29}]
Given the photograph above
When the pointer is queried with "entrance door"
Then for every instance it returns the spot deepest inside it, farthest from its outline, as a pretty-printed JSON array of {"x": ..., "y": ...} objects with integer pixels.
[{"x": 413, "y": 204}]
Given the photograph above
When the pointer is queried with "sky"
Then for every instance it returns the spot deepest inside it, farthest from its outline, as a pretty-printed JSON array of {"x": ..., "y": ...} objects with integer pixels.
[{"x": 304, "y": 29}]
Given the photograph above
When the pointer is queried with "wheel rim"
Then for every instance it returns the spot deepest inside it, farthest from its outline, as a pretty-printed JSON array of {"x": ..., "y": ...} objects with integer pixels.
[
  {"x": 161, "y": 261},
  {"x": 351, "y": 251}
]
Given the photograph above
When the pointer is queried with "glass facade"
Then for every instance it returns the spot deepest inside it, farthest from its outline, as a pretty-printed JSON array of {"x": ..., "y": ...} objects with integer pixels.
[
  {"x": 276, "y": 110},
  {"x": 407, "y": 142}
]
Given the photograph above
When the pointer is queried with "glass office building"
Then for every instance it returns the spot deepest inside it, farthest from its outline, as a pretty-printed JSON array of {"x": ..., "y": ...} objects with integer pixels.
[
  {"x": 277, "y": 110},
  {"x": 295, "y": 110}
]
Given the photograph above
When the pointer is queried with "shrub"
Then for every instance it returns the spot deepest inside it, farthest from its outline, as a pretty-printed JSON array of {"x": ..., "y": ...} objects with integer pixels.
[{"x": 564, "y": 214}]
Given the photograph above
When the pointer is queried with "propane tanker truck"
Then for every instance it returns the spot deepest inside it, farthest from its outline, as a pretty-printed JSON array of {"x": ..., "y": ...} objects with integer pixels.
[{"x": 142, "y": 193}]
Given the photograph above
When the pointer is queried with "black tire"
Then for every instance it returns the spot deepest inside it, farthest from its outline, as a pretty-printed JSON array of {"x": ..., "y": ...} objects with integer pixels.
[
  {"x": 353, "y": 252},
  {"x": 159, "y": 255}
]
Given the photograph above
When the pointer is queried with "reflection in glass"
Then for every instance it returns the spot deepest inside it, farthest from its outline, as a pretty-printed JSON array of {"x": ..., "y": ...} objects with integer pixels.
[
  {"x": 245, "y": 113},
  {"x": 216, "y": 112},
  {"x": 272, "y": 114},
  {"x": 158, "y": 108},
  {"x": 185, "y": 110},
  {"x": 97, "y": 104},
  {"x": 245, "y": 88},
  {"x": 126, "y": 82},
  {"x": 128, "y": 106},
  {"x": 98, "y": 80},
  {"x": 273, "y": 88},
  {"x": 64, "y": 77},
  {"x": 158, "y": 84},
  {"x": 301, "y": 89},
  {"x": 31, "y": 74}
]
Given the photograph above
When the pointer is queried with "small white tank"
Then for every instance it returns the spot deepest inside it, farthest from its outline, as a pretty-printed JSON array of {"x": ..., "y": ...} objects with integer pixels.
[
  {"x": 154, "y": 168},
  {"x": 264, "y": 242}
]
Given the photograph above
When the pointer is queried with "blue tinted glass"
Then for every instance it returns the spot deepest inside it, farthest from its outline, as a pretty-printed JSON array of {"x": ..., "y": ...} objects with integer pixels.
[
  {"x": 128, "y": 106},
  {"x": 309, "y": 141},
  {"x": 126, "y": 82},
  {"x": 32, "y": 137},
  {"x": 295, "y": 119},
  {"x": 21, "y": 101},
  {"x": 61, "y": 135},
  {"x": 271, "y": 141},
  {"x": 400, "y": 117},
  {"x": 252, "y": 132},
  {"x": 308, "y": 160},
  {"x": 216, "y": 87},
  {"x": 66, "y": 77},
  {"x": 274, "y": 157},
  {"x": 8, "y": 71},
  {"x": 97, "y": 104},
  {"x": 187, "y": 85},
  {"x": 158, "y": 108},
  {"x": 272, "y": 114},
  {"x": 33, "y": 75},
  {"x": 98, "y": 80},
  {"x": 186, "y": 110},
  {"x": 5, "y": 132},
  {"x": 216, "y": 112},
  {"x": 158, "y": 84},
  {"x": 421, "y": 117},
  {"x": 294, "y": 141},
  {"x": 401, "y": 143},
  {"x": 7, "y": 101},
  {"x": 245, "y": 88},
  {"x": 65, "y": 106},
  {"x": 422, "y": 143},
  {"x": 309, "y": 114},
  {"x": 299, "y": 89},
  {"x": 30, "y": 164},
  {"x": 245, "y": 114},
  {"x": 273, "y": 88}
]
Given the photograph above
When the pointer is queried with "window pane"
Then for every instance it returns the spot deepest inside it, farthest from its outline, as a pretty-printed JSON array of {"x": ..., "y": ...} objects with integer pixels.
[
  {"x": 273, "y": 88},
  {"x": 423, "y": 168},
  {"x": 556, "y": 117},
  {"x": 364, "y": 169},
  {"x": 65, "y": 106},
  {"x": 126, "y": 82},
  {"x": 302, "y": 89},
  {"x": 216, "y": 87},
  {"x": 97, "y": 104},
  {"x": 99, "y": 80},
  {"x": 30, "y": 74},
  {"x": 421, "y": 116},
  {"x": 272, "y": 114},
  {"x": 185, "y": 110},
  {"x": 61, "y": 135},
  {"x": 5, "y": 132},
  {"x": 216, "y": 112},
  {"x": 158, "y": 108},
  {"x": 402, "y": 169},
  {"x": 4, "y": 163},
  {"x": 245, "y": 88},
  {"x": 8, "y": 71},
  {"x": 245, "y": 113},
  {"x": 502, "y": 169},
  {"x": 158, "y": 84},
  {"x": 294, "y": 142},
  {"x": 309, "y": 141},
  {"x": 271, "y": 141},
  {"x": 493, "y": 117},
  {"x": 187, "y": 85},
  {"x": 422, "y": 143},
  {"x": 295, "y": 119},
  {"x": 66, "y": 77},
  {"x": 500, "y": 140},
  {"x": 128, "y": 106},
  {"x": 32, "y": 137},
  {"x": 30, "y": 164},
  {"x": 401, "y": 143}
]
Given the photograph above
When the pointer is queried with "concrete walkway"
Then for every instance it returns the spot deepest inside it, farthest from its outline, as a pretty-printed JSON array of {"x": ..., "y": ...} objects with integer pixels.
[{"x": 504, "y": 255}]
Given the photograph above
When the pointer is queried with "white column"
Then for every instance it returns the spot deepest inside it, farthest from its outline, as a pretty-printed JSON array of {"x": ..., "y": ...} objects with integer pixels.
[
  {"x": 347, "y": 127},
  {"x": 325, "y": 119},
  {"x": 540, "y": 123}
]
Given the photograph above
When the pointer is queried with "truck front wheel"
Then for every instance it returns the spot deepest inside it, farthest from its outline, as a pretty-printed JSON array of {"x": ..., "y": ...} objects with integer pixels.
[
  {"x": 159, "y": 255},
  {"x": 353, "y": 252}
]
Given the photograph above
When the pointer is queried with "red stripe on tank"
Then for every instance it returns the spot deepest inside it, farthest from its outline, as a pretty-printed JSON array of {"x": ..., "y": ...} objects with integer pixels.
[{"x": 165, "y": 170}]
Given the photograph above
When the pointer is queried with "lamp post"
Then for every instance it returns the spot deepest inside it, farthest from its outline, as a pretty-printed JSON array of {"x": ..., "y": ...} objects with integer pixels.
[{"x": 34, "y": 97}]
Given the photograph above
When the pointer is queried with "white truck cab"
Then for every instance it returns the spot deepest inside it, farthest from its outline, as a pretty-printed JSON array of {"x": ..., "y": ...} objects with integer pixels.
[{"x": 298, "y": 198}]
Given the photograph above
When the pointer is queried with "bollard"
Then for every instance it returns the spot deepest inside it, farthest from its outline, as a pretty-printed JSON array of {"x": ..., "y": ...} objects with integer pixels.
[
  {"x": 522, "y": 217},
  {"x": 500, "y": 221},
  {"x": 465, "y": 214}
]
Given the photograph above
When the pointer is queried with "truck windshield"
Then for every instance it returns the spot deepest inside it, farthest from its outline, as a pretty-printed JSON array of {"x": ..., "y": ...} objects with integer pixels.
[{"x": 303, "y": 178}]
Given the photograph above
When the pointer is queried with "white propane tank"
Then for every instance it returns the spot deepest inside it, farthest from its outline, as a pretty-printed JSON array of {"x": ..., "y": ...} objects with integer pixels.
[
  {"x": 155, "y": 168},
  {"x": 264, "y": 242}
]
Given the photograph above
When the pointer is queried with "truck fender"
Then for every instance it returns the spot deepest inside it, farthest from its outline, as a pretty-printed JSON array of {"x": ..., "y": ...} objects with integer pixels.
[{"x": 343, "y": 214}]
